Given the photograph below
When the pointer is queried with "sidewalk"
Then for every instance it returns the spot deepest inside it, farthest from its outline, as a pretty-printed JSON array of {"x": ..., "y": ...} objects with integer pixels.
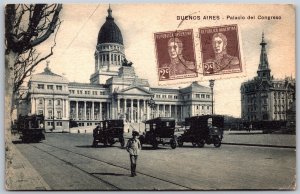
[{"x": 22, "y": 175}]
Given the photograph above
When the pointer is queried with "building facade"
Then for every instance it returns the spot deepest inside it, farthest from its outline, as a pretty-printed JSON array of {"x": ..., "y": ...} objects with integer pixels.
[
  {"x": 265, "y": 98},
  {"x": 114, "y": 91}
]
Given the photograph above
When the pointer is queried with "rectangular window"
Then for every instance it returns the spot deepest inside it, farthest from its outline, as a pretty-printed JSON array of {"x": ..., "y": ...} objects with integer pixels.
[
  {"x": 207, "y": 107},
  {"x": 58, "y": 102},
  {"x": 59, "y": 87},
  {"x": 50, "y": 87},
  {"x": 50, "y": 114},
  {"x": 207, "y": 96},
  {"x": 40, "y": 112},
  {"x": 175, "y": 97},
  {"x": 202, "y": 95},
  {"x": 164, "y": 96},
  {"x": 170, "y": 96},
  {"x": 157, "y": 95},
  {"x": 197, "y": 95},
  {"x": 40, "y": 86},
  {"x": 49, "y": 102},
  {"x": 50, "y": 123},
  {"x": 40, "y": 101},
  {"x": 59, "y": 114},
  {"x": 59, "y": 123}
]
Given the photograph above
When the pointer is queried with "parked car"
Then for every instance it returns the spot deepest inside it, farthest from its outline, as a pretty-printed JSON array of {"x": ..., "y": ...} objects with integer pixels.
[
  {"x": 109, "y": 132},
  {"x": 31, "y": 128},
  {"x": 200, "y": 130},
  {"x": 159, "y": 131}
]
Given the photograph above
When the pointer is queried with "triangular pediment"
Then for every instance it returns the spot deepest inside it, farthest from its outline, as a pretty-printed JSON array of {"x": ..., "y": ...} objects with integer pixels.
[{"x": 135, "y": 90}]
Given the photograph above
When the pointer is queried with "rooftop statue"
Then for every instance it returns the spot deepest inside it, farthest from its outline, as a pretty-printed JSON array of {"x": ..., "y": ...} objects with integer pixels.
[{"x": 126, "y": 63}]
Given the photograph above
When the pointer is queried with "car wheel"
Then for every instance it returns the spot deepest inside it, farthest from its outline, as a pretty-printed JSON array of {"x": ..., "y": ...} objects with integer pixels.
[
  {"x": 180, "y": 142},
  {"x": 194, "y": 144},
  {"x": 173, "y": 143},
  {"x": 200, "y": 144},
  {"x": 155, "y": 144},
  {"x": 217, "y": 142},
  {"x": 122, "y": 141}
]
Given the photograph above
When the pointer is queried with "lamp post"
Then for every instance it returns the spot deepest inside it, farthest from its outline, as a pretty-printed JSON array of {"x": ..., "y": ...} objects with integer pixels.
[
  {"x": 151, "y": 104},
  {"x": 211, "y": 85}
]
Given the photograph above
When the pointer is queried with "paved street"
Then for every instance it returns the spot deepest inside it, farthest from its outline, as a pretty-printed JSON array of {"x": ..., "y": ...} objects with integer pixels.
[{"x": 68, "y": 162}]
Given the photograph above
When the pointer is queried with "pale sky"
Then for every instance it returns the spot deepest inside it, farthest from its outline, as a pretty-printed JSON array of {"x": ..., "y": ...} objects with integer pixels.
[{"x": 77, "y": 39}]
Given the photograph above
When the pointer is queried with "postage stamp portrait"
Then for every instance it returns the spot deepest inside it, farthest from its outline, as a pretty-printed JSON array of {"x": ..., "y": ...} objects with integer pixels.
[
  {"x": 220, "y": 50},
  {"x": 175, "y": 55}
]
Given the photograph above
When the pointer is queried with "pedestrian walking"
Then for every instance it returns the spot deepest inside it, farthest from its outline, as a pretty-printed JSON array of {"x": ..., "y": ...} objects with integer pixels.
[{"x": 133, "y": 147}]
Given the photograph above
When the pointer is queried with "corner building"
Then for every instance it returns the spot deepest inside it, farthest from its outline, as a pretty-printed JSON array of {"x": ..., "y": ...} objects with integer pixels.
[
  {"x": 114, "y": 91},
  {"x": 265, "y": 98}
]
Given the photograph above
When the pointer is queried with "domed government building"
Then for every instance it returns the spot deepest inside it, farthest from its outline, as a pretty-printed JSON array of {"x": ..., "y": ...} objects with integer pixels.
[{"x": 114, "y": 91}]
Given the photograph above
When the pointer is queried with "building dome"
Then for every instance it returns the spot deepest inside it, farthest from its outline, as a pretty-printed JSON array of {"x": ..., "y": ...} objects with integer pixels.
[{"x": 110, "y": 32}]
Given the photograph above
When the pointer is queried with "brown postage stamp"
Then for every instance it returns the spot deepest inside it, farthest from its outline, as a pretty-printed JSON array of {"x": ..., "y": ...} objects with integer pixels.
[
  {"x": 220, "y": 50},
  {"x": 175, "y": 55}
]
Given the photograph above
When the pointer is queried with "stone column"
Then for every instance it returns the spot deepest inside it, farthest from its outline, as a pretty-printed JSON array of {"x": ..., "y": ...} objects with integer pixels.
[
  {"x": 100, "y": 111},
  {"x": 144, "y": 110},
  {"x": 181, "y": 112},
  {"x": 125, "y": 107},
  {"x": 54, "y": 110},
  {"x": 118, "y": 108},
  {"x": 138, "y": 110},
  {"x": 164, "y": 110},
  {"x": 44, "y": 111},
  {"x": 84, "y": 111},
  {"x": 92, "y": 116},
  {"x": 131, "y": 111},
  {"x": 109, "y": 61},
  {"x": 107, "y": 110},
  {"x": 99, "y": 56},
  {"x": 35, "y": 107},
  {"x": 175, "y": 115},
  {"x": 64, "y": 108},
  {"x": 77, "y": 110},
  {"x": 68, "y": 109}
]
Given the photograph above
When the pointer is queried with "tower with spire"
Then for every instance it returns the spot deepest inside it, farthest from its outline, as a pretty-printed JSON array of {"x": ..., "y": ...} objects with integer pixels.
[
  {"x": 109, "y": 52},
  {"x": 263, "y": 71},
  {"x": 265, "y": 98}
]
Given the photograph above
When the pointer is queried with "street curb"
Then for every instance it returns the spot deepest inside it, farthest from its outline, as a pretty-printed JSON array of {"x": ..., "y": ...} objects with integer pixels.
[{"x": 259, "y": 145}]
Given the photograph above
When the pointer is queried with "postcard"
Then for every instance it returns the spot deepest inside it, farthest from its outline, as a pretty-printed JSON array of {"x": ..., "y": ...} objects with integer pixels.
[{"x": 150, "y": 97}]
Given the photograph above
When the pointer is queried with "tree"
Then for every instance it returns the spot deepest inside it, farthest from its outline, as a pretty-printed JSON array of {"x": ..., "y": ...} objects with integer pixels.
[{"x": 26, "y": 26}]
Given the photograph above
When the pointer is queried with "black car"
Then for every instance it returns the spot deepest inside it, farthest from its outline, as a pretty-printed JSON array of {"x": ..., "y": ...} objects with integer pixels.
[
  {"x": 203, "y": 129},
  {"x": 159, "y": 131},
  {"x": 109, "y": 132},
  {"x": 31, "y": 128}
]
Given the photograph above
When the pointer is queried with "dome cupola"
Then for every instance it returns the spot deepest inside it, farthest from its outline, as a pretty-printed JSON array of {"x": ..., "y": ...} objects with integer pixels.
[{"x": 110, "y": 32}]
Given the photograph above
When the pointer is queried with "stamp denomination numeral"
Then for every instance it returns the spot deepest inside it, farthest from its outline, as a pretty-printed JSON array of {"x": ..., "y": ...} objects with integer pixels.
[{"x": 164, "y": 73}]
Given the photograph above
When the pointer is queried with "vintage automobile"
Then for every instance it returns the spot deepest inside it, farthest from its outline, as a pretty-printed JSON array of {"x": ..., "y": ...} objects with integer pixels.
[
  {"x": 109, "y": 132},
  {"x": 159, "y": 131},
  {"x": 31, "y": 128},
  {"x": 203, "y": 129}
]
